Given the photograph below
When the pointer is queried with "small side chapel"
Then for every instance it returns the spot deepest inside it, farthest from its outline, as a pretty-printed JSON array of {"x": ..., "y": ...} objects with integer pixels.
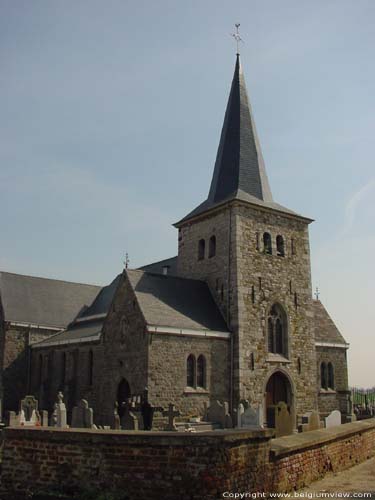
[{"x": 230, "y": 319}]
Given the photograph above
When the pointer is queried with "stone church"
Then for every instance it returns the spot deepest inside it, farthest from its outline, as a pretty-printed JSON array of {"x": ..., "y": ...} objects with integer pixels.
[{"x": 230, "y": 318}]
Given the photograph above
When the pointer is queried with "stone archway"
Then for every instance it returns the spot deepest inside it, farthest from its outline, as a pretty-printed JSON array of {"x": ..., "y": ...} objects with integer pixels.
[
  {"x": 123, "y": 393},
  {"x": 278, "y": 390}
]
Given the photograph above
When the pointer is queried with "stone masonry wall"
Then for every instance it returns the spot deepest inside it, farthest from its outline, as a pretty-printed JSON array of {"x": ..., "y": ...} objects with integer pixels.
[
  {"x": 16, "y": 361},
  {"x": 263, "y": 280},
  {"x": 167, "y": 381},
  {"x": 125, "y": 354},
  {"x": 178, "y": 465},
  {"x": 217, "y": 271},
  {"x": 74, "y": 381},
  {"x": 329, "y": 400}
]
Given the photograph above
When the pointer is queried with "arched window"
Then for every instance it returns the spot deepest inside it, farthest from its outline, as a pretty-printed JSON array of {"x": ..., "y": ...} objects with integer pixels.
[
  {"x": 277, "y": 330},
  {"x": 323, "y": 376},
  {"x": 201, "y": 371},
  {"x": 331, "y": 377},
  {"x": 280, "y": 246},
  {"x": 190, "y": 371},
  {"x": 212, "y": 247},
  {"x": 267, "y": 243},
  {"x": 201, "y": 249},
  {"x": 90, "y": 371}
]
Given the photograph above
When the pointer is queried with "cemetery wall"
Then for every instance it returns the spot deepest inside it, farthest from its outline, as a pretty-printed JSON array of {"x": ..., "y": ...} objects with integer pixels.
[
  {"x": 300, "y": 459},
  {"x": 179, "y": 465}
]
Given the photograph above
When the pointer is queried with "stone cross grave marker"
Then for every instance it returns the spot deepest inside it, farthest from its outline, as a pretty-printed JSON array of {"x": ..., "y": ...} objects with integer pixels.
[
  {"x": 171, "y": 413},
  {"x": 333, "y": 419},
  {"x": 283, "y": 420},
  {"x": 82, "y": 416}
]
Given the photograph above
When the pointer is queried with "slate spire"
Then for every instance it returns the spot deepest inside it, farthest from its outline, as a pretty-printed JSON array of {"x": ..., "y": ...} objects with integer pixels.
[{"x": 239, "y": 163}]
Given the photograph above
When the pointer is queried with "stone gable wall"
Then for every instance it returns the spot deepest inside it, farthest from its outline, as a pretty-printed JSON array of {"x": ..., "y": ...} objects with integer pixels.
[{"x": 167, "y": 381}]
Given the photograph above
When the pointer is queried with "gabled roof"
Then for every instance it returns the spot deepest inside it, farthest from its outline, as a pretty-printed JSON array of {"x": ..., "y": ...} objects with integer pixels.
[
  {"x": 87, "y": 326},
  {"x": 325, "y": 328},
  {"x": 42, "y": 301},
  {"x": 157, "y": 267},
  {"x": 176, "y": 302},
  {"x": 239, "y": 172}
]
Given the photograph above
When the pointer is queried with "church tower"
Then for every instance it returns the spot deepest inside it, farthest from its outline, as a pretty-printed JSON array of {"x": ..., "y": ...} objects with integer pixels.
[{"x": 254, "y": 254}]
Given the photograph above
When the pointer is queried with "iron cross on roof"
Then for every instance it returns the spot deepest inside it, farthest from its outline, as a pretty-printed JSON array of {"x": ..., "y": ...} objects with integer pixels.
[{"x": 237, "y": 37}]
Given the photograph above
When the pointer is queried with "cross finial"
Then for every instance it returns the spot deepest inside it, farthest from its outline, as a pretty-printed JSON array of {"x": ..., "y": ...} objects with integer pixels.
[
  {"x": 317, "y": 293},
  {"x": 126, "y": 261},
  {"x": 237, "y": 37}
]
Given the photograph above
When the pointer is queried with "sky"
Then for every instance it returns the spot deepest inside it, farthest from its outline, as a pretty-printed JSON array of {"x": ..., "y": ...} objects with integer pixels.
[{"x": 110, "y": 118}]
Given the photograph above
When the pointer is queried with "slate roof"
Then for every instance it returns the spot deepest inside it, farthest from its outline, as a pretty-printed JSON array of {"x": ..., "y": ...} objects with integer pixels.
[
  {"x": 103, "y": 300},
  {"x": 157, "y": 267},
  {"x": 176, "y": 302},
  {"x": 325, "y": 328},
  {"x": 42, "y": 301},
  {"x": 239, "y": 172},
  {"x": 87, "y": 323},
  {"x": 78, "y": 332}
]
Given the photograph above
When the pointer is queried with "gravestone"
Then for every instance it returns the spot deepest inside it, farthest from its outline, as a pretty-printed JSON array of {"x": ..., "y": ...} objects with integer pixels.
[
  {"x": 129, "y": 420},
  {"x": 283, "y": 420},
  {"x": 171, "y": 413},
  {"x": 82, "y": 416},
  {"x": 240, "y": 412},
  {"x": 116, "y": 418},
  {"x": 333, "y": 419},
  {"x": 44, "y": 418},
  {"x": 29, "y": 405},
  {"x": 310, "y": 421},
  {"x": 252, "y": 417},
  {"x": 59, "y": 413},
  {"x": 219, "y": 413}
]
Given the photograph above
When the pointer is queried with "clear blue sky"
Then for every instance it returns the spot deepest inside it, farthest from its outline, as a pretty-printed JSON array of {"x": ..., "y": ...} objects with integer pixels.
[{"x": 110, "y": 116}]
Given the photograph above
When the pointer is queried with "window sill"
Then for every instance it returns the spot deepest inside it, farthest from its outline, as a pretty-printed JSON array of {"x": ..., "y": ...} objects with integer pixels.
[
  {"x": 195, "y": 390},
  {"x": 277, "y": 358},
  {"x": 327, "y": 391}
]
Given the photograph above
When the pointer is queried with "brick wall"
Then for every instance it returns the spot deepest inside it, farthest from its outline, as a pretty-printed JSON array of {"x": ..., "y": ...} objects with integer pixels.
[
  {"x": 143, "y": 465},
  {"x": 179, "y": 465},
  {"x": 299, "y": 460}
]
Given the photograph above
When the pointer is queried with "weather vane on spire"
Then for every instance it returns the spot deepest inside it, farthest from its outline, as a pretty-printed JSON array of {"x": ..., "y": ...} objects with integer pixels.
[{"x": 237, "y": 37}]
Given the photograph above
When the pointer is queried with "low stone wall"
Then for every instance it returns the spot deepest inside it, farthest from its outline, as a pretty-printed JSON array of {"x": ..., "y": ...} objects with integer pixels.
[
  {"x": 144, "y": 465},
  {"x": 300, "y": 459},
  {"x": 172, "y": 465}
]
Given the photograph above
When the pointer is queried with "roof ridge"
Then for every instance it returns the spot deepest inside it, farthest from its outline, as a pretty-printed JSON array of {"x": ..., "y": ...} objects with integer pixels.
[
  {"x": 52, "y": 279},
  {"x": 166, "y": 276}
]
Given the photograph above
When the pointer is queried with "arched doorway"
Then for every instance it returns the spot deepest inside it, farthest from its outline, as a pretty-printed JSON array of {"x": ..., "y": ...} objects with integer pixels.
[
  {"x": 123, "y": 393},
  {"x": 278, "y": 389}
]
